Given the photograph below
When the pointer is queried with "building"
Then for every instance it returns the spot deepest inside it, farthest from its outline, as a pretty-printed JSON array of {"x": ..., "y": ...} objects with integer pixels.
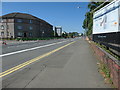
[
  {"x": 23, "y": 25},
  {"x": 58, "y": 31}
]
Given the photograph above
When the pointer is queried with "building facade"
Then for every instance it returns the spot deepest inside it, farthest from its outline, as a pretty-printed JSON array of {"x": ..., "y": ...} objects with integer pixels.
[
  {"x": 21, "y": 25},
  {"x": 58, "y": 31}
]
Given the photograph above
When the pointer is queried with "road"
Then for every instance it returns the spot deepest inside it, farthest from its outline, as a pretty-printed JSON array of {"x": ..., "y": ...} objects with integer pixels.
[
  {"x": 65, "y": 64},
  {"x": 17, "y": 46},
  {"x": 15, "y": 54}
]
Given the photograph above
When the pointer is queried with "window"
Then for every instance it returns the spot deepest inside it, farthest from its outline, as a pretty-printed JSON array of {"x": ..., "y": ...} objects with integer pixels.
[
  {"x": 1, "y": 20},
  {"x": 30, "y": 21},
  {"x": 7, "y": 33},
  {"x": 7, "y": 26},
  {"x": 10, "y": 34},
  {"x": 2, "y": 33},
  {"x": 30, "y": 34},
  {"x": 41, "y": 24},
  {"x": 19, "y": 27},
  {"x": 19, "y": 33},
  {"x": 30, "y": 27},
  {"x": 19, "y": 20},
  {"x": 2, "y": 27}
]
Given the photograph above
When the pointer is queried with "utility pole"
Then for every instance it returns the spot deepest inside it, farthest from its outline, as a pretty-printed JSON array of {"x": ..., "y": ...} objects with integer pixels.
[{"x": 54, "y": 32}]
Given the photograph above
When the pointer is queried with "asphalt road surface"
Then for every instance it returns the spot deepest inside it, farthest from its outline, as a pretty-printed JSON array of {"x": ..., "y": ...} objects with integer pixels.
[
  {"x": 17, "y": 46},
  {"x": 60, "y": 64},
  {"x": 15, "y": 54}
]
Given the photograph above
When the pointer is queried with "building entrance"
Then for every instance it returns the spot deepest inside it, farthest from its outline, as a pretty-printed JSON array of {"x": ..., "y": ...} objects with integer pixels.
[{"x": 25, "y": 34}]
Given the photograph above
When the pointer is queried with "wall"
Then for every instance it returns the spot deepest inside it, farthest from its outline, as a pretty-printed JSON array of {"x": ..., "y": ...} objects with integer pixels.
[
  {"x": 8, "y": 27},
  {"x": 112, "y": 63},
  {"x": 38, "y": 28}
]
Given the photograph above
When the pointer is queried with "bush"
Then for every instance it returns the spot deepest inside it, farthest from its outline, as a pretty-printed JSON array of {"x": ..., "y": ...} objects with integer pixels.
[{"x": 42, "y": 38}]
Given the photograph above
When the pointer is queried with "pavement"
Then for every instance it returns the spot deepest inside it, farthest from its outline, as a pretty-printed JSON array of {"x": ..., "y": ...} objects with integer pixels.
[{"x": 73, "y": 66}]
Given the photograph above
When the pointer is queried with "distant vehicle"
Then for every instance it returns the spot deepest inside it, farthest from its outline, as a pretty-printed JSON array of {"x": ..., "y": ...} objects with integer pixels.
[{"x": 106, "y": 25}]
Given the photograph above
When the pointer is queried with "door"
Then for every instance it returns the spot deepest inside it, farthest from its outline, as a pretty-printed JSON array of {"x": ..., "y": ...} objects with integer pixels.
[{"x": 25, "y": 34}]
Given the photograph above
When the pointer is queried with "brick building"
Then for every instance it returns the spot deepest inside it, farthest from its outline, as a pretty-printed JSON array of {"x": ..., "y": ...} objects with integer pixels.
[{"x": 23, "y": 25}]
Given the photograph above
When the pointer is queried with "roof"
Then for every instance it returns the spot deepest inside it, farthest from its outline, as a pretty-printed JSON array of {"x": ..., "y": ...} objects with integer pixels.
[{"x": 22, "y": 16}]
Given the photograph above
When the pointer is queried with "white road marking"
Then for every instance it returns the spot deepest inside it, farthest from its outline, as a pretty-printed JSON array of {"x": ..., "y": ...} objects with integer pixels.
[{"x": 7, "y": 54}]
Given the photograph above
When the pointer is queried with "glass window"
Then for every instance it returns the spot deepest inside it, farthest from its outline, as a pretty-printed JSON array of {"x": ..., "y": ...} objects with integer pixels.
[
  {"x": 30, "y": 27},
  {"x": 1, "y": 20},
  {"x": 7, "y": 33},
  {"x": 7, "y": 26},
  {"x": 19, "y": 20},
  {"x": 30, "y": 34},
  {"x": 30, "y": 21},
  {"x": 41, "y": 24},
  {"x": 2, "y": 27},
  {"x": 10, "y": 34},
  {"x": 2, "y": 33},
  {"x": 19, "y": 27},
  {"x": 19, "y": 33}
]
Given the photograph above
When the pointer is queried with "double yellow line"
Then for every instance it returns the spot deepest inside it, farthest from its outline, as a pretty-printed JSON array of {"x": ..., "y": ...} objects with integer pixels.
[{"x": 9, "y": 71}]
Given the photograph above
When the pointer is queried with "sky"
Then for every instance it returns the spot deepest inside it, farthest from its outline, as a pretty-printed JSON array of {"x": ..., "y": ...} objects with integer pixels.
[{"x": 65, "y": 14}]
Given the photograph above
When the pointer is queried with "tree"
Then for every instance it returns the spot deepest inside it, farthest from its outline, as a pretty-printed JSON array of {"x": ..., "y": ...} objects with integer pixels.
[
  {"x": 88, "y": 21},
  {"x": 65, "y": 35}
]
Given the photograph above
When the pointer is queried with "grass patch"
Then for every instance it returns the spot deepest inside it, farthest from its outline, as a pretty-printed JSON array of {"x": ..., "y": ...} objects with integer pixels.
[
  {"x": 30, "y": 39},
  {"x": 105, "y": 72}
]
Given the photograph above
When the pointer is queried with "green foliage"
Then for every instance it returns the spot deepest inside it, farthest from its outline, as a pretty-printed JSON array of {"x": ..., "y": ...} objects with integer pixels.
[
  {"x": 65, "y": 35},
  {"x": 73, "y": 34},
  {"x": 88, "y": 21},
  {"x": 45, "y": 38},
  {"x": 105, "y": 70}
]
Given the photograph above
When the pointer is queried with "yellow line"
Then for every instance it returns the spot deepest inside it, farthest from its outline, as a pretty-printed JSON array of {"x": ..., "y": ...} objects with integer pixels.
[{"x": 9, "y": 71}]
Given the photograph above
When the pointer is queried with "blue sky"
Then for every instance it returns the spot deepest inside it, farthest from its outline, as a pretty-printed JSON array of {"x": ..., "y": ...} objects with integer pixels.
[{"x": 65, "y": 14}]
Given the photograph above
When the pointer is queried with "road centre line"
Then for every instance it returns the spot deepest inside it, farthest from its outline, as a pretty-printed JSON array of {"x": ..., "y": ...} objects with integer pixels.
[
  {"x": 9, "y": 71},
  {"x": 30, "y": 49}
]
